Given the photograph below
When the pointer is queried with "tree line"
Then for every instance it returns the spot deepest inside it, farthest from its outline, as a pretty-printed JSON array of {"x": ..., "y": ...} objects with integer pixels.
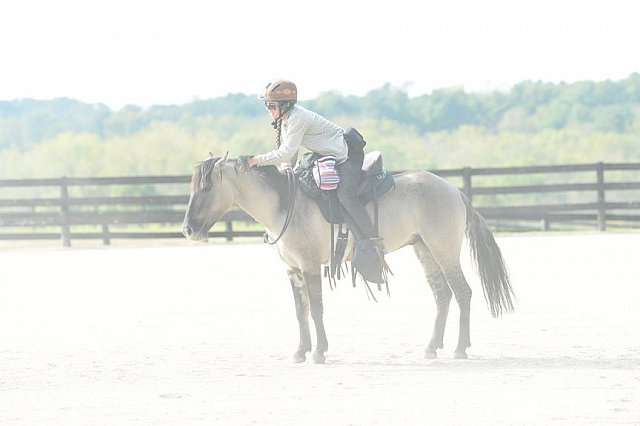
[{"x": 533, "y": 122}]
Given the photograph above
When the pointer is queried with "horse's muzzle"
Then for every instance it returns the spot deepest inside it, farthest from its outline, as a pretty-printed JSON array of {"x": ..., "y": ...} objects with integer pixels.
[{"x": 188, "y": 232}]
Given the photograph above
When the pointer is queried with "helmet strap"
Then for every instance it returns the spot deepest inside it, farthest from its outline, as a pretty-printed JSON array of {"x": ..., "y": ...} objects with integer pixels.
[{"x": 288, "y": 105}]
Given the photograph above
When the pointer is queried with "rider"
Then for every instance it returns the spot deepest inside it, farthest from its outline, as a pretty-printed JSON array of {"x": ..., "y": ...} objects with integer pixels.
[{"x": 299, "y": 127}]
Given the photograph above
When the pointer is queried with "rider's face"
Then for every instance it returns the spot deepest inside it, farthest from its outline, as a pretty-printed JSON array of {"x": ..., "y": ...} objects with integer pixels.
[{"x": 273, "y": 108}]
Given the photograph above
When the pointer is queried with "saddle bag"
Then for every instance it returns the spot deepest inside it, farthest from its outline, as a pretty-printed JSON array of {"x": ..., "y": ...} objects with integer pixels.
[{"x": 325, "y": 173}]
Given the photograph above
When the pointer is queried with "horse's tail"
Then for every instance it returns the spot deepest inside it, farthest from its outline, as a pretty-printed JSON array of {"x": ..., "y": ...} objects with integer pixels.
[{"x": 489, "y": 263}]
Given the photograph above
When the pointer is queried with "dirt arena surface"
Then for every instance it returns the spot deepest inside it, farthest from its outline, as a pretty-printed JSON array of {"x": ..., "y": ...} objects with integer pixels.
[{"x": 203, "y": 334}]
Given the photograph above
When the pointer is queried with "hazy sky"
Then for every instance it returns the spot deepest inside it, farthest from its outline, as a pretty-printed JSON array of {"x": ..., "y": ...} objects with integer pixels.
[{"x": 168, "y": 51}]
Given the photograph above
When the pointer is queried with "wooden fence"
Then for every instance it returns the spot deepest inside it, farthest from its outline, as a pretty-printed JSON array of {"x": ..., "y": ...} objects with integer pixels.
[{"x": 586, "y": 195}]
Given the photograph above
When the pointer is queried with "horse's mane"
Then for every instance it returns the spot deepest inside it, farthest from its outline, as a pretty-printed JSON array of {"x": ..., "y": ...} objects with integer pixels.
[
  {"x": 202, "y": 173},
  {"x": 269, "y": 174}
]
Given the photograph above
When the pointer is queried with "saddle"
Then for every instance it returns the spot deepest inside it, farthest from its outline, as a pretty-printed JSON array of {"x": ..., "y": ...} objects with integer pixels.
[{"x": 374, "y": 183}]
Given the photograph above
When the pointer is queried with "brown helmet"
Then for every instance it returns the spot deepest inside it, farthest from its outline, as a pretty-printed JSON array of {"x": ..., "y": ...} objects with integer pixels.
[{"x": 280, "y": 91}]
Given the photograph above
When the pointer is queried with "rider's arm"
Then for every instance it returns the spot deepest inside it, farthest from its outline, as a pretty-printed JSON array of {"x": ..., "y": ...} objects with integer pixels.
[{"x": 293, "y": 131}]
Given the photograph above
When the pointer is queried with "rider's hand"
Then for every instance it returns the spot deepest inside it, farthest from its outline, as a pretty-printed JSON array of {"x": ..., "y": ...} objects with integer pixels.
[{"x": 245, "y": 163}]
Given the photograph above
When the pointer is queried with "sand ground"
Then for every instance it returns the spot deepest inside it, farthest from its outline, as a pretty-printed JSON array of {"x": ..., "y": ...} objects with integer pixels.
[{"x": 203, "y": 334}]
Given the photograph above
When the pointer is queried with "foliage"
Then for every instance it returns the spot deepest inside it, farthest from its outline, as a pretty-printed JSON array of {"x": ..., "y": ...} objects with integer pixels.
[{"x": 533, "y": 123}]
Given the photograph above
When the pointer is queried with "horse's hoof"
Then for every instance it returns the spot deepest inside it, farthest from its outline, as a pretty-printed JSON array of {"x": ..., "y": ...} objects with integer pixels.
[
  {"x": 430, "y": 354},
  {"x": 460, "y": 355},
  {"x": 319, "y": 359},
  {"x": 299, "y": 357}
]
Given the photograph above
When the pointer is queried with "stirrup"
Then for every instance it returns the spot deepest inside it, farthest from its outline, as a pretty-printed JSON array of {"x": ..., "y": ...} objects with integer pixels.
[
  {"x": 368, "y": 260},
  {"x": 378, "y": 243}
]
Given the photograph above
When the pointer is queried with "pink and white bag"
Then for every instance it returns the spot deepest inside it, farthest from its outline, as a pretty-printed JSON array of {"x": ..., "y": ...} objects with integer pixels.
[{"x": 325, "y": 173}]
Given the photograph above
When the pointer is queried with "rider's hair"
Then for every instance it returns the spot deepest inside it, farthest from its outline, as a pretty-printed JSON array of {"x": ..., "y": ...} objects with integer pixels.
[
  {"x": 278, "y": 126},
  {"x": 277, "y": 123}
]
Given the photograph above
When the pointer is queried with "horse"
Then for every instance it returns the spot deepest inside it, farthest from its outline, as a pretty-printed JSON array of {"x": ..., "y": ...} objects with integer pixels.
[{"x": 423, "y": 210}]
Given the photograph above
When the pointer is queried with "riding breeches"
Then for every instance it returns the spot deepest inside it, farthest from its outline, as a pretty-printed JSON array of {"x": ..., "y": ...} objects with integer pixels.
[{"x": 347, "y": 195}]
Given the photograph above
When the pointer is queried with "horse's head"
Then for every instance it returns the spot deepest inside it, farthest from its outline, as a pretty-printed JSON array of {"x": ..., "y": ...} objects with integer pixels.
[{"x": 211, "y": 196}]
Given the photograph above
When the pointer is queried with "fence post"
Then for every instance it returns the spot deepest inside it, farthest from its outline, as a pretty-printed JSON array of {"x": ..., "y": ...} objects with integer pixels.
[
  {"x": 602, "y": 213},
  {"x": 544, "y": 224},
  {"x": 64, "y": 213},
  {"x": 466, "y": 183},
  {"x": 229, "y": 230},
  {"x": 106, "y": 238}
]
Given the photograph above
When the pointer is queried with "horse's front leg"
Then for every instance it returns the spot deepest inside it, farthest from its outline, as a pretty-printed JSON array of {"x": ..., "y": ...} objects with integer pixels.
[
  {"x": 301, "y": 298},
  {"x": 314, "y": 290}
]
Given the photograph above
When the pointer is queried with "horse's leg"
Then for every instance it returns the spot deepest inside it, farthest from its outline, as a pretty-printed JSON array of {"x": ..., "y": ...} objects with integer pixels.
[
  {"x": 301, "y": 298},
  {"x": 441, "y": 292},
  {"x": 314, "y": 290},
  {"x": 462, "y": 292}
]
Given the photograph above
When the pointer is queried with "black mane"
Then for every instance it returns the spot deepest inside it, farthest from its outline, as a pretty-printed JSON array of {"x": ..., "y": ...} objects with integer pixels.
[
  {"x": 270, "y": 174},
  {"x": 202, "y": 173}
]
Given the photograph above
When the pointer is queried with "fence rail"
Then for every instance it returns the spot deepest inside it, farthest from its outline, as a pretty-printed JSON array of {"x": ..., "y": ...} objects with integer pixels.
[{"x": 27, "y": 214}]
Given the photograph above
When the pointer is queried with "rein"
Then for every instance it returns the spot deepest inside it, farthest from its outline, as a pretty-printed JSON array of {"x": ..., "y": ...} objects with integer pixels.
[{"x": 292, "y": 188}]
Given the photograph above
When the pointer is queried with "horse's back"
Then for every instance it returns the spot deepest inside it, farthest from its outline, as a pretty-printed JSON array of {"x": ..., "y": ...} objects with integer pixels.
[
  {"x": 429, "y": 187},
  {"x": 426, "y": 205}
]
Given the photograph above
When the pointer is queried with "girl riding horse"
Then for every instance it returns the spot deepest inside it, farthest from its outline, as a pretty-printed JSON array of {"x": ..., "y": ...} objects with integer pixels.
[{"x": 298, "y": 127}]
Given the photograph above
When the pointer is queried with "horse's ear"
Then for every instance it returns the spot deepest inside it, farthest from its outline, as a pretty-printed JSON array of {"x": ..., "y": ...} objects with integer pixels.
[
  {"x": 210, "y": 154},
  {"x": 221, "y": 162}
]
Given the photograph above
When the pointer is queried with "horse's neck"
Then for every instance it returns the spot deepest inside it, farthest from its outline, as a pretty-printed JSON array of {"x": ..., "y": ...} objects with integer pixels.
[{"x": 261, "y": 200}]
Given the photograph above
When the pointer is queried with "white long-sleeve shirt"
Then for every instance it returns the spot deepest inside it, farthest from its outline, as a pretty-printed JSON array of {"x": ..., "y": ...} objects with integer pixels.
[{"x": 301, "y": 127}]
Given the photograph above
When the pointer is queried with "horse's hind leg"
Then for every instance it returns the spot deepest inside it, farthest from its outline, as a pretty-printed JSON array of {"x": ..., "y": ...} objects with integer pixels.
[
  {"x": 441, "y": 292},
  {"x": 301, "y": 298},
  {"x": 314, "y": 290},
  {"x": 462, "y": 292}
]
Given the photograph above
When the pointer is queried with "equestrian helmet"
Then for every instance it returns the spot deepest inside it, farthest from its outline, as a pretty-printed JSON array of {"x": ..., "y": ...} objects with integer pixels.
[{"x": 280, "y": 91}]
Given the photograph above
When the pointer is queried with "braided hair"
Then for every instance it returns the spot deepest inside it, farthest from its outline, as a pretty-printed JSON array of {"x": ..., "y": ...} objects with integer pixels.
[{"x": 277, "y": 123}]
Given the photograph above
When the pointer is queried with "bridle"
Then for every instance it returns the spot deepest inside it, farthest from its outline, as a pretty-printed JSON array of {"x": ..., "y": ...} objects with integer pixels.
[{"x": 292, "y": 187}]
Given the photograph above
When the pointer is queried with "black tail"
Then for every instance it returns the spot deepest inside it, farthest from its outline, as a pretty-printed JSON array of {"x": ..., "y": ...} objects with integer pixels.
[{"x": 487, "y": 257}]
